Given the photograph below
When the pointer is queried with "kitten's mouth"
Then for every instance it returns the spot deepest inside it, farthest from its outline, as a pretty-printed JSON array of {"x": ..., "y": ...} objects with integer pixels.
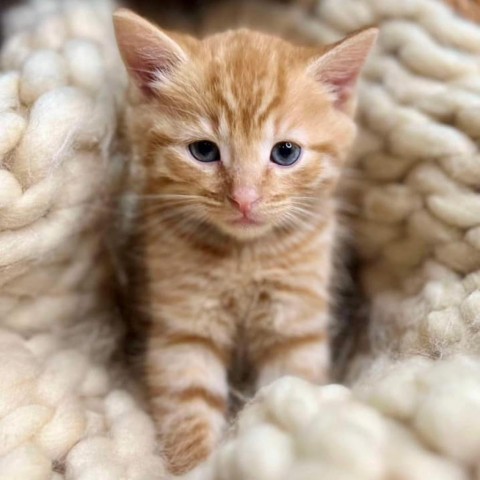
[{"x": 246, "y": 220}]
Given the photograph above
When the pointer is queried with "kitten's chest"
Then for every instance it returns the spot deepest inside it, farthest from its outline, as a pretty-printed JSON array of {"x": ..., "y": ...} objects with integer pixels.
[
  {"x": 232, "y": 285},
  {"x": 249, "y": 283},
  {"x": 237, "y": 283}
]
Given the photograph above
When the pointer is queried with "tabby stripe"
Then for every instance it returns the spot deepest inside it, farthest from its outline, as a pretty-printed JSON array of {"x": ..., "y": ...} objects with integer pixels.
[
  {"x": 325, "y": 148},
  {"x": 276, "y": 99},
  {"x": 190, "y": 394},
  {"x": 213, "y": 400},
  {"x": 191, "y": 339},
  {"x": 318, "y": 302},
  {"x": 293, "y": 343}
]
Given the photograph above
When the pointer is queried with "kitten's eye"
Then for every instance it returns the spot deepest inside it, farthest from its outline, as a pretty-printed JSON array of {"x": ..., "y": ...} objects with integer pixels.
[
  {"x": 285, "y": 153},
  {"x": 204, "y": 151}
]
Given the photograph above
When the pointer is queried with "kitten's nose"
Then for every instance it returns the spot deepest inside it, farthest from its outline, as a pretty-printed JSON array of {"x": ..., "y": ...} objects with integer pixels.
[{"x": 244, "y": 199}]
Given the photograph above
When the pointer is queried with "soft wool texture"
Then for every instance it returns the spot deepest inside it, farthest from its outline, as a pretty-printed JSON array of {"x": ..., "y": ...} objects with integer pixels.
[
  {"x": 413, "y": 409},
  {"x": 60, "y": 413}
]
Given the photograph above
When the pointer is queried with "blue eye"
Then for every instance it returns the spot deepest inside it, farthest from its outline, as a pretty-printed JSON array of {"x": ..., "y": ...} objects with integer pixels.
[
  {"x": 285, "y": 153},
  {"x": 204, "y": 151}
]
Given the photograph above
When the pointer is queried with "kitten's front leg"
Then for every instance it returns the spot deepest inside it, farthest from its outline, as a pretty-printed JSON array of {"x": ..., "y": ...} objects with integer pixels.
[
  {"x": 288, "y": 336},
  {"x": 187, "y": 382}
]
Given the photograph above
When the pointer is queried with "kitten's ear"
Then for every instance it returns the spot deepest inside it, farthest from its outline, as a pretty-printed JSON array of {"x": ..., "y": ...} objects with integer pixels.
[
  {"x": 339, "y": 68},
  {"x": 148, "y": 53}
]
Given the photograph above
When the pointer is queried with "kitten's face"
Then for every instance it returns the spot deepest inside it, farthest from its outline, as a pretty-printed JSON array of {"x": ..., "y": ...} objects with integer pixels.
[{"x": 238, "y": 130}]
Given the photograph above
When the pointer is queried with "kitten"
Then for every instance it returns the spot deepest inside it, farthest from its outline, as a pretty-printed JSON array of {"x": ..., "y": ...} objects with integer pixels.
[{"x": 241, "y": 138}]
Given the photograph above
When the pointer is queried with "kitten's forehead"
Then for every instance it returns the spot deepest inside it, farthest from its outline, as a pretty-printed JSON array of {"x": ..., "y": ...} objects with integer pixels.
[
  {"x": 245, "y": 79},
  {"x": 247, "y": 90}
]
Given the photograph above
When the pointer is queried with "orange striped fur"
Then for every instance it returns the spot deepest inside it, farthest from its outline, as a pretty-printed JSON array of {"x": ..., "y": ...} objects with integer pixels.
[{"x": 213, "y": 286}]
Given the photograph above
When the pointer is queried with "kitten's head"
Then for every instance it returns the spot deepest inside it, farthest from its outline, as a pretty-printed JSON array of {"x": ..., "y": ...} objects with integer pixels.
[{"x": 241, "y": 130}]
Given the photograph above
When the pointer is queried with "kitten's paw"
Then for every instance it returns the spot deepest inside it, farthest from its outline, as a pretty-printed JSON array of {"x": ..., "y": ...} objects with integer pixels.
[{"x": 189, "y": 442}]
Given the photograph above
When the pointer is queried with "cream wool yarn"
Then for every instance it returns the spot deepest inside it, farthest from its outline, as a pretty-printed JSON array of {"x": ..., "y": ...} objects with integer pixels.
[
  {"x": 61, "y": 413},
  {"x": 413, "y": 407},
  {"x": 384, "y": 429},
  {"x": 418, "y": 160}
]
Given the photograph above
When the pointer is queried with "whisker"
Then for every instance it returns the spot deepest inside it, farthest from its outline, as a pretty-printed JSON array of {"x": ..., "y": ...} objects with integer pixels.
[
  {"x": 171, "y": 198},
  {"x": 155, "y": 219}
]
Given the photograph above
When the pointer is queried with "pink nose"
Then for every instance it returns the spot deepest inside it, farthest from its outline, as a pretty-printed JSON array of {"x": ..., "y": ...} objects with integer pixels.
[{"x": 244, "y": 199}]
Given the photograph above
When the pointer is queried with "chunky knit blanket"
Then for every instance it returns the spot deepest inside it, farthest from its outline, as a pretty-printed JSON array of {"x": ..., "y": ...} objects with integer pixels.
[{"x": 412, "y": 406}]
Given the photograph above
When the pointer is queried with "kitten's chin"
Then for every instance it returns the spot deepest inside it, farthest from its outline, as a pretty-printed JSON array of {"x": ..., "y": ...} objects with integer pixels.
[{"x": 245, "y": 230}]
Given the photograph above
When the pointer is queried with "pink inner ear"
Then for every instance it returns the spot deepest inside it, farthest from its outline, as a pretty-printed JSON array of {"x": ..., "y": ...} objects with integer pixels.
[
  {"x": 148, "y": 69},
  {"x": 340, "y": 67},
  {"x": 340, "y": 78},
  {"x": 148, "y": 53},
  {"x": 343, "y": 87}
]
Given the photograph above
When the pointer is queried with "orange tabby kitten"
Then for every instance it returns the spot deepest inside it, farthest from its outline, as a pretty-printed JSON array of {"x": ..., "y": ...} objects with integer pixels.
[{"x": 241, "y": 137}]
